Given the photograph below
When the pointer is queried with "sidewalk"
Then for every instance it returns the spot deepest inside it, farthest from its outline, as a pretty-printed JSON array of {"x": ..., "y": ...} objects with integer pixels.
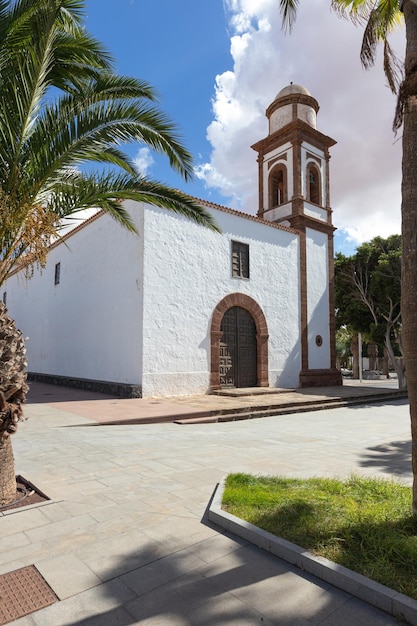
[{"x": 125, "y": 539}]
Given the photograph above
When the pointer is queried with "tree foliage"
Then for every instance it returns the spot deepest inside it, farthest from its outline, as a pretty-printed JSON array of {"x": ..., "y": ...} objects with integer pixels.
[
  {"x": 368, "y": 287},
  {"x": 351, "y": 311},
  {"x": 368, "y": 293},
  {"x": 343, "y": 340}
]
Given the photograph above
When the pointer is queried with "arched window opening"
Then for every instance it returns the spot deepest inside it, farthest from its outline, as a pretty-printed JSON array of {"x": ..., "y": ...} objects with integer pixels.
[
  {"x": 278, "y": 193},
  {"x": 313, "y": 184}
]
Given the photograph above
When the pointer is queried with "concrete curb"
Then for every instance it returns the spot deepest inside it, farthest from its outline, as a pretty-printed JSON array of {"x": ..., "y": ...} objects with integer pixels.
[{"x": 384, "y": 598}]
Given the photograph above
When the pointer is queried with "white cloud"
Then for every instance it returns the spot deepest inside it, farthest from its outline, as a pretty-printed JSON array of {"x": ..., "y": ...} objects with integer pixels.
[
  {"x": 143, "y": 161},
  {"x": 357, "y": 110}
]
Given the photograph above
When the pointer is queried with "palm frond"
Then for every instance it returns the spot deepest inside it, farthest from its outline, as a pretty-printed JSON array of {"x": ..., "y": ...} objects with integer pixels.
[
  {"x": 71, "y": 13},
  {"x": 370, "y": 39},
  {"x": 78, "y": 191},
  {"x": 393, "y": 68},
  {"x": 74, "y": 129},
  {"x": 288, "y": 9},
  {"x": 380, "y": 18},
  {"x": 28, "y": 23},
  {"x": 357, "y": 11}
]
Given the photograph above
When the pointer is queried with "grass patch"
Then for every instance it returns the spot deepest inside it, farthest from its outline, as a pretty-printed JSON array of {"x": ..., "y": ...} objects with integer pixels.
[{"x": 364, "y": 524}]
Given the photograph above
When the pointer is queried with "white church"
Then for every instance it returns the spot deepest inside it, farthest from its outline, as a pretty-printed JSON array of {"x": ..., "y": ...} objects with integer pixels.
[{"x": 181, "y": 310}]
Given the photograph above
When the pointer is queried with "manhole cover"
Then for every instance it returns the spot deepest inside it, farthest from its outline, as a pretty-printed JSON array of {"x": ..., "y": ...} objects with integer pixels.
[{"x": 22, "y": 592}]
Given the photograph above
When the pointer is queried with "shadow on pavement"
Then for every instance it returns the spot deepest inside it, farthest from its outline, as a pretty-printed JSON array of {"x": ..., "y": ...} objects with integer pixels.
[
  {"x": 393, "y": 457},
  {"x": 45, "y": 393},
  {"x": 244, "y": 585}
]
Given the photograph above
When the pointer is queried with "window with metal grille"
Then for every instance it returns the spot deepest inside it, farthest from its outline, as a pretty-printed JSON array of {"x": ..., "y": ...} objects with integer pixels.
[
  {"x": 240, "y": 259},
  {"x": 57, "y": 273}
]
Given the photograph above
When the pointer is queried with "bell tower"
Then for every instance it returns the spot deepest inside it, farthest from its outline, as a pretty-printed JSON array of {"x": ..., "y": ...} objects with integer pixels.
[{"x": 293, "y": 163}]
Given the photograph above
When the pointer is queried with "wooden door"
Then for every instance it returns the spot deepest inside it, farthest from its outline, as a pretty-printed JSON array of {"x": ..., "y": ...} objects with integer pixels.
[{"x": 238, "y": 362}]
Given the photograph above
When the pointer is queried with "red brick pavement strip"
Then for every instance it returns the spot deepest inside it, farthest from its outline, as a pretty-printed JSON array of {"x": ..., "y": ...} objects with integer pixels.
[
  {"x": 105, "y": 409},
  {"x": 126, "y": 411}
]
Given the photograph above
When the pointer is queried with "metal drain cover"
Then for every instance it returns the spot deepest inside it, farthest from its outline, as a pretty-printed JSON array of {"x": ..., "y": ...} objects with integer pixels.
[{"x": 22, "y": 592}]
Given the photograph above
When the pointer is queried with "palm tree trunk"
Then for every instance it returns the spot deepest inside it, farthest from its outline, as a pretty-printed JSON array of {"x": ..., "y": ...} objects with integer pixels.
[
  {"x": 409, "y": 227},
  {"x": 7, "y": 474},
  {"x": 13, "y": 390}
]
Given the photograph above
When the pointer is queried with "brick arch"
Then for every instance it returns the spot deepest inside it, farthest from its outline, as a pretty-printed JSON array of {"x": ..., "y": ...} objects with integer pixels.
[{"x": 248, "y": 303}]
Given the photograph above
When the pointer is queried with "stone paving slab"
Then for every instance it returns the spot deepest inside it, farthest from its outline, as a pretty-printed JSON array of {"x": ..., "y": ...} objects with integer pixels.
[{"x": 152, "y": 526}]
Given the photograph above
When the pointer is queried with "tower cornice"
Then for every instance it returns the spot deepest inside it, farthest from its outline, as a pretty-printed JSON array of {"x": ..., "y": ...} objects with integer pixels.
[
  {"x": 294, "y": 132},
  {"x": 293, "y": 98}
]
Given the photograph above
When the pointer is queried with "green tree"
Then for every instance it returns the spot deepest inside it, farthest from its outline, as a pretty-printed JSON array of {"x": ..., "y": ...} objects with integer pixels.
[
  {"x": 64, "y": 117},
  {"x": 379, "y": 18},
  {"x": 343, "y": 339},
  {"x": 368, "y": 294}
]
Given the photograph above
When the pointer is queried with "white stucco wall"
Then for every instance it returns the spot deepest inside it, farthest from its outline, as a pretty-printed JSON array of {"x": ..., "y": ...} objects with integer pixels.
[
  {"x": 307, "y": 114},
  {"x": 89, "y": 325},
  {"x": 312, "y": 210},
  {"x": 187, "y": 271},
  {"x": 280, "y": 117},
  {"x": 278, "y": 212},
  {"x": 284, "y": 115},
  {"x": 138, "y": 310},
  {"x": 318, "y": 299}
]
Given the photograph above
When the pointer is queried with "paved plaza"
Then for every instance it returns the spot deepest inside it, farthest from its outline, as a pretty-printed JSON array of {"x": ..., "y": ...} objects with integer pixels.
[{"x": 125, "y": 539}]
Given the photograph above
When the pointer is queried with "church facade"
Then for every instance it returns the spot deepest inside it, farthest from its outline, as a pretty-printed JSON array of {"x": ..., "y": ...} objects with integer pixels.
[{"x": 181, "y": 310}]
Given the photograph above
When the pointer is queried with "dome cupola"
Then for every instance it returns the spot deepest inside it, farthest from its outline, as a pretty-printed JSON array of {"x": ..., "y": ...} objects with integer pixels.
[{"x": 292, "y": 102}]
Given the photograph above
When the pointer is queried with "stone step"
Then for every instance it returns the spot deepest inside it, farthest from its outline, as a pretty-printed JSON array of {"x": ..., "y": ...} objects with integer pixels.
[{"x": 233, "y": 414}]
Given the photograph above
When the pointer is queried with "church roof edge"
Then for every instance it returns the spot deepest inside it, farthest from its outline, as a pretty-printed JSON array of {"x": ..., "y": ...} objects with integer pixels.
[
  {"x": 207, "y": 203},
  {"x": 24, "y": 261}
]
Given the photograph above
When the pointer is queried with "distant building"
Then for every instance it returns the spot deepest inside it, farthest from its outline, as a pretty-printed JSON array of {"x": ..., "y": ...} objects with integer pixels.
[{"x": 183, "y": 310}]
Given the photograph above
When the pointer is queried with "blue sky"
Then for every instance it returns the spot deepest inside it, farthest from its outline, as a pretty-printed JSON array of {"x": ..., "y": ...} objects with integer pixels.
[
  {"x": 178, "y": 47},
  {"x": 218, "y": 64}
]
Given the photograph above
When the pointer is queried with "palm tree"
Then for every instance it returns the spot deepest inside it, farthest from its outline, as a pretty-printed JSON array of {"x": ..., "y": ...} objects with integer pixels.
[
  {"x": 13, "y": 390},
  {"x": 64, "y": 115},
  {"x": 379, "y": 18}
]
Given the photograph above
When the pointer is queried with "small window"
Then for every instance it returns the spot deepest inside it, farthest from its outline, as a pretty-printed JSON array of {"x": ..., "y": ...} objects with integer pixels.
[
  {"x": 240, "y": 260},
  {"x": 57, "y": 273},
  {"x": 4, "y": 298}
]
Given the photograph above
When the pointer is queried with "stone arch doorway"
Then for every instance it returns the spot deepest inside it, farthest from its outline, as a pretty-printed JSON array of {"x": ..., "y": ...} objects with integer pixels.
[
  {"x": 242, "y": 312},
  {"x": 238, "y": 363}
]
